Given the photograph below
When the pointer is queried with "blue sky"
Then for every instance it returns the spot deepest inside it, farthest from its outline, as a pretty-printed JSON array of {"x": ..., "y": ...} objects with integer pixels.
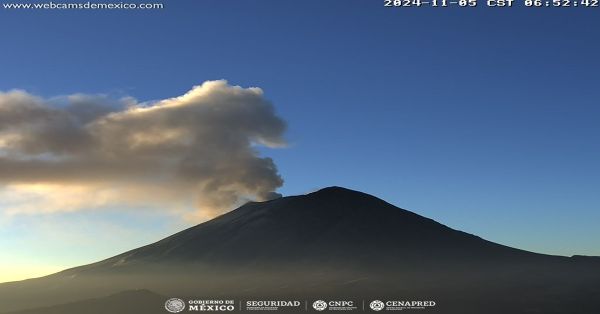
[{"x": 482, "y": 119}]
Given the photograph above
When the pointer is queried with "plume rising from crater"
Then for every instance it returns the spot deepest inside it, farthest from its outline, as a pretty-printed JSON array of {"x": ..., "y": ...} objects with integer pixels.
[{"x": 198, "y": 148}]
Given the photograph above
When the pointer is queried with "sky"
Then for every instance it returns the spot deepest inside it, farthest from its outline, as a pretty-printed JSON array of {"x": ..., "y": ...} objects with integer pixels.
[{"x": 483, "y": 119}]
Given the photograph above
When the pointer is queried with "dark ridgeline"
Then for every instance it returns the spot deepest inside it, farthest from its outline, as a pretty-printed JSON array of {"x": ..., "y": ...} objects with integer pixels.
[
  {"x": 130, "y": 302},
  {"x": 331, "y": 243}
]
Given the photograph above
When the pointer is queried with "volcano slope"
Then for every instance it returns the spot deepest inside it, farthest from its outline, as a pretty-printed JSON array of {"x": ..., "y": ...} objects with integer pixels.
[{"x": 333, "y": 243}]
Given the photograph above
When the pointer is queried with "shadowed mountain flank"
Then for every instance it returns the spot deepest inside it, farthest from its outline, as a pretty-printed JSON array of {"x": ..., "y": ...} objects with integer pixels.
[
  {"x": 334, "y": 242},
  {"x": 328, "y": 227},
  {"x": 127, "y": 302}
]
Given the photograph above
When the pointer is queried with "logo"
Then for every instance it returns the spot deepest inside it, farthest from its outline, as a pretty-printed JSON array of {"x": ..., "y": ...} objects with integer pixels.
[
  {"x": 377, "y": 305},
  {"x": 335, "y": 305},
  {"x": 399, "y": 305},
  {"x": 175, "y": 305},
  {"x": 272, "y": 305},
  {"x": 211, "y": 305},
  {"x": 320, "y": 305}
]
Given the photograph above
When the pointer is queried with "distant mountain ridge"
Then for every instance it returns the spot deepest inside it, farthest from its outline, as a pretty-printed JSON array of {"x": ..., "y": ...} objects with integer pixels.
[
  {"x": 333, "y": 242},
  {"x": 126, "y": 302}
]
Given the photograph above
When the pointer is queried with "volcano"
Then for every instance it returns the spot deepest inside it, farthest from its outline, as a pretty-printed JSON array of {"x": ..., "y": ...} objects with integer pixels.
[{"x": 333, "y": 243}]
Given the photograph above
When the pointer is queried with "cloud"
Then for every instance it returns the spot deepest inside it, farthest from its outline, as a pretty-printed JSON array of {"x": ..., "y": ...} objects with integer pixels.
[{"x": 83, "y": 151}]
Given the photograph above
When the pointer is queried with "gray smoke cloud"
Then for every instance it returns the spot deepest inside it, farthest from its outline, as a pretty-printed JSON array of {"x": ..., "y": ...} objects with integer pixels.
[{"x": 198, "y": 146}]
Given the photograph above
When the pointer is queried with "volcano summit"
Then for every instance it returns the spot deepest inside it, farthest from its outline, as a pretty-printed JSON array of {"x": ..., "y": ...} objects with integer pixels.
[{"x": 331, "y": 243}]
